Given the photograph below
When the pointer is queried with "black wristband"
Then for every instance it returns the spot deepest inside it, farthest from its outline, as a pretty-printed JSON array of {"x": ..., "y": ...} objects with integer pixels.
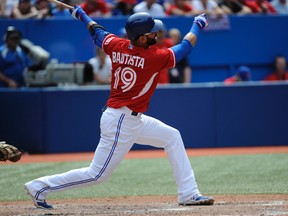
[{"x": 95, "y": 26}]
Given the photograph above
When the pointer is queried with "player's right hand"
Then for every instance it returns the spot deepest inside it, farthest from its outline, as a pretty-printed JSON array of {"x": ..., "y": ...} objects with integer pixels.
[
  {"x": 201, "y": 21},
  {"x": 77, "y": 12}
]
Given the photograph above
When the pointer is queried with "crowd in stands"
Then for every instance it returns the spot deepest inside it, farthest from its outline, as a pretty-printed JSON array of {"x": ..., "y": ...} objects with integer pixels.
[
  {"x": 15, "y": 61},
  {"x": 27, "y": 9},
  {"x": 243, "y": 73},
  {"x": 99, "y": 66}
]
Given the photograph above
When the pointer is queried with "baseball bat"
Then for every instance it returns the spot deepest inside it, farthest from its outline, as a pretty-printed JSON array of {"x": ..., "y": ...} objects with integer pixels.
[{"x": 62, "y": 4}]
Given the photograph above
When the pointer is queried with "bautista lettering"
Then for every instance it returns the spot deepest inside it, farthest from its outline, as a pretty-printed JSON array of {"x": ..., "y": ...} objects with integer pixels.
[{"x": 126, "y": 59}]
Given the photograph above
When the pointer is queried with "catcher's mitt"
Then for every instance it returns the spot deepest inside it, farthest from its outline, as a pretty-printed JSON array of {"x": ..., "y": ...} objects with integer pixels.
[{"x": 9, "y": 152}]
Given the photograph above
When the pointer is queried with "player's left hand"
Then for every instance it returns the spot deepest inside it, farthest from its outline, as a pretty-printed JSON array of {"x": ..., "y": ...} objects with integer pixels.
[
  {"x": 201, "y": 21},
  {"x": 77, "y": 12}
]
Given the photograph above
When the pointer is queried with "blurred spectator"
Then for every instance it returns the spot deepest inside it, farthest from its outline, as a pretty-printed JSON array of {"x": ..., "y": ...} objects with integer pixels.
[
  {"x": 260, "y": 6},
  {"x": 2, "y": 8},
  {"x": 102, "y": 67},
  {"x": 280, "y": 72},
  {"x": 281, "y": 6},
  {"x": 88, "y": 75},
  {"x": 124, "y": 7},
  {"x": 13, "y": 60},
  {"x": 60, "y": 11},
  {"x": 44, "y": 9},
  {"x": 181, "y": 73},
  {"x": 24, "y": 10},
  {"x": 151, "y": 7},
  {"x": 180, "y": 8},
  {"x": 163, "y": 42},
  {"x": 166, "y": 3},
  {"x": 96, "y": 8},
  {"x": 234, "y": 7},
  {"x": 210, "y": 7},
  {"x": 6, "y": 7},
  {"x": 243, "y": 74}
]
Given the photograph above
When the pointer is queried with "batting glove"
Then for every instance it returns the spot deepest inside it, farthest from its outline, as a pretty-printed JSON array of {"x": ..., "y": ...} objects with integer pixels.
[
  {"x": 201, "y": 21},
  {"x": 77, "y": 12}
]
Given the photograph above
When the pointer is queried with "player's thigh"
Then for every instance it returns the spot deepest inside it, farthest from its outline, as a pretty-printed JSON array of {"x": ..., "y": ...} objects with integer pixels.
[
  {"x": 118, "y": 134},
  {"x": 156, "y": 133}
]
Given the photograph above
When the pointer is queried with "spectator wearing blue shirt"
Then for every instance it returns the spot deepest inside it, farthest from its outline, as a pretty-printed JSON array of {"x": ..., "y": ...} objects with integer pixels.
[
  {"x": 13, "y": 60},
  {"x": 281, "y": 6}
]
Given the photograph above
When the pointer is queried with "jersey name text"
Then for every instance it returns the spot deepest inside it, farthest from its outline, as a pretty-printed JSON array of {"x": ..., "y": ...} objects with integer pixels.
[{"x": 126, "y": 59}]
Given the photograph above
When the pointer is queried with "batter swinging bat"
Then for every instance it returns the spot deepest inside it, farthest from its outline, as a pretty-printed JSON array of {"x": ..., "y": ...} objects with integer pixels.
[{"x": 62, "y": 4}]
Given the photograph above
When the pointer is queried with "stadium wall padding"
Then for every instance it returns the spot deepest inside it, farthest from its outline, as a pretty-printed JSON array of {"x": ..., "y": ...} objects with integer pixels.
[{"x": 62, "y": 120}]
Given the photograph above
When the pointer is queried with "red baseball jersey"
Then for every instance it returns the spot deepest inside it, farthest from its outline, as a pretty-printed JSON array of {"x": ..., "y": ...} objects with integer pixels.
[
  {"x": 164, "y": 74},
  {"x": 135, "y": 72}
]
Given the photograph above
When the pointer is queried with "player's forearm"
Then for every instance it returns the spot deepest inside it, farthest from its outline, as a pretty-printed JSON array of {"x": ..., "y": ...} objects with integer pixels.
[
  {"x": 182, "y": 49},
  {"x": 185, "y": 47},
  {"x": 191, "y": 37},
  {"x": 90, "y": 24},
  {"x": 97, "y": 32},
  {"x": 200, "y": 22}
]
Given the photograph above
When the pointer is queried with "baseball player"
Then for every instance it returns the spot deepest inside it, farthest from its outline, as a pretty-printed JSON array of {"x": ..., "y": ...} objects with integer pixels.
[{"x": 135, "y": 66}]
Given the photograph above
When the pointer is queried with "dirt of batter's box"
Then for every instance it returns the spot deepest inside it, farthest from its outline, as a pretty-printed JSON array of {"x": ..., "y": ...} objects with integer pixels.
[{"x": 276, "y": 204}]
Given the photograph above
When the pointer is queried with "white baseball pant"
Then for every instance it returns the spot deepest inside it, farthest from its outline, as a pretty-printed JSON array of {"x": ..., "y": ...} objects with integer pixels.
[{"x": 119, "y": 131}]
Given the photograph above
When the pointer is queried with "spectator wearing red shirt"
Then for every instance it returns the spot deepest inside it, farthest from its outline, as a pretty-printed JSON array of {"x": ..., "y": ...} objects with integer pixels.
[
  {"x": 96, "y": 8},
  {"x": 180, "y": 8},
  {"x": 243, "y": 74},
  {"x": 260, "y": 6},
  {"x": 280, "y": 72}
]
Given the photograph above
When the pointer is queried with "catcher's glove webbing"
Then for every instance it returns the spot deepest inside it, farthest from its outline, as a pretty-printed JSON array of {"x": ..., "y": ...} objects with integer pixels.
[{"x": 9, "y": 152}]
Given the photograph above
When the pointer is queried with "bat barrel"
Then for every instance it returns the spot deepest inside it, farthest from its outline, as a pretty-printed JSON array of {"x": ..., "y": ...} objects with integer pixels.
[{"x": 61, "y": 4}]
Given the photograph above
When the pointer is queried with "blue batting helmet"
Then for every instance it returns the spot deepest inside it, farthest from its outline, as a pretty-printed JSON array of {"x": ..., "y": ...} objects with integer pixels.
[{"x": 141, "y": 23}]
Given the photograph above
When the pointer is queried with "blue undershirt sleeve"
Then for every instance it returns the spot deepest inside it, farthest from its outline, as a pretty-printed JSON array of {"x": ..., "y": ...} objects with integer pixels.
[
  {"x": 185, "y": 47},
  {"x": 98, "y": 36},
  {"x": 182, "y": 50}
]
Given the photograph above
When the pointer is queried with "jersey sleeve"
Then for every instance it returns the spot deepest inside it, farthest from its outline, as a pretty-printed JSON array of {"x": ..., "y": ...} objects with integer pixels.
[
  {"x": 109, "y": 43},
  {"x": 163, "y": 59}
]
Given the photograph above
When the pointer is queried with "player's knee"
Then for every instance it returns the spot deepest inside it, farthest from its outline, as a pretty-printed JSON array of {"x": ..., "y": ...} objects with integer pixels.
[
  {"x": 175, "y": 135},
  {"x": 174, "y": 140},
  {"x": 97, "y": 174}
]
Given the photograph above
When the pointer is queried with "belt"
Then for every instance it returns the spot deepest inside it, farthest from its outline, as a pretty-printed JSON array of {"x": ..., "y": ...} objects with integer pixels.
[
  {"x": 135, "y": 113},
  {"x": 126, "y": 110}
]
